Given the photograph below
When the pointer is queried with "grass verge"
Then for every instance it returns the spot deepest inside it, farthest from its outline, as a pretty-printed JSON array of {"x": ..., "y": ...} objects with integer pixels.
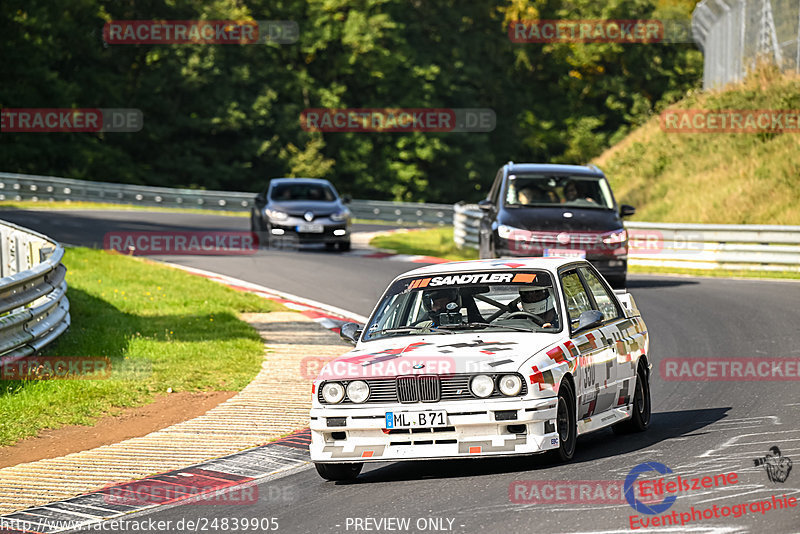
[
  {"x": 430, "y": 242},
  {"x": 160, "y": 328},
  {"x": 726, "y": 178},
  {"x": 722, "y": 273}
]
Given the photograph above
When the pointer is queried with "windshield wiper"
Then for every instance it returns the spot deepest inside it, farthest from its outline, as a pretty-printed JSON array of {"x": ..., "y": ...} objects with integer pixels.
[
  {"x": 409, "y": 329},
  {"x": 470, "y": 326}
]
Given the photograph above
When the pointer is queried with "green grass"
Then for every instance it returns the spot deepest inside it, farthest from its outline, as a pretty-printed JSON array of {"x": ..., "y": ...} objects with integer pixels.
[
  {"x": 160, "y": 327},
  {"x": 433, "y": 242},
  {"x": 735, "y": 178},
  {"x": 84, "y": 205},
  {"x": 722, "y": 273}
]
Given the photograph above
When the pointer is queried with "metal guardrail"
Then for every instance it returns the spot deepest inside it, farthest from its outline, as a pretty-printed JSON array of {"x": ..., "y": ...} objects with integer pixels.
[
  {"x": 48, "y": 188},
  {"x": 694, "y": 246},
  {"x": 34, "y": 309},
  {"x": 735, "y": 34}
]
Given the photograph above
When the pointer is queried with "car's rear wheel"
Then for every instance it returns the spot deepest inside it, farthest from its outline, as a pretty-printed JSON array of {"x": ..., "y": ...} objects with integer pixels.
[
  {"x": 640, "y": 419},
  {"x": 337, "y": 472},
  {"x": 566, "y": 423}
]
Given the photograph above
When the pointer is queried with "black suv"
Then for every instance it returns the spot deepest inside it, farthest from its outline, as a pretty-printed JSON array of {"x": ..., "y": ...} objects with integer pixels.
[
  {"x": 536, "y": 209},
  {"x": 296, "y": 211}
]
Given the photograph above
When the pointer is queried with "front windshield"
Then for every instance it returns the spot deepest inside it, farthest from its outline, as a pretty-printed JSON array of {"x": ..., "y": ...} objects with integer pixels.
[
  {"x": 496, "y": 300},
  {"x": 285, "y": 192},
  {"x": 567, "y": 191}
]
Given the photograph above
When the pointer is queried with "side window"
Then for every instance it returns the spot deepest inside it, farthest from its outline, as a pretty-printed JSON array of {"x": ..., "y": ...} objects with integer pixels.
[
  {"x": 605, "y": 302},
  {"x": 575, "y": 296}
]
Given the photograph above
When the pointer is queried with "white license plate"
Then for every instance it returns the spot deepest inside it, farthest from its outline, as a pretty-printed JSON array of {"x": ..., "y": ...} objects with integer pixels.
[
  {"x": 416, "y": 419},
  {"x": 310, "y": 228},
  {"x": 564, "y": 253}
]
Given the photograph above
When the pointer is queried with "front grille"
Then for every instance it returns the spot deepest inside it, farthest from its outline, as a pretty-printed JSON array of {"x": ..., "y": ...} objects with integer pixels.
[
  {"x": 422, "y": 388},
  {"x": 407, "y": 389},
  {"x": 428, "y": 388}
]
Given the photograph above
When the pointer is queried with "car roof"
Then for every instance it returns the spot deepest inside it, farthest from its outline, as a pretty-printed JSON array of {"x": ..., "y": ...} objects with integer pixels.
[
  {"x": 503, "y": 264},
  {"x": 300, "y": 180},
  {"x": 550, "y": 168}
]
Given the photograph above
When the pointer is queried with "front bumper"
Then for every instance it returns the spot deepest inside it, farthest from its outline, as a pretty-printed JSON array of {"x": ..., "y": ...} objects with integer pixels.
[
  {"x": 610, "y": 261},
  {"x": 473, "y": 431},
  {"x": 287, "y": 232}
]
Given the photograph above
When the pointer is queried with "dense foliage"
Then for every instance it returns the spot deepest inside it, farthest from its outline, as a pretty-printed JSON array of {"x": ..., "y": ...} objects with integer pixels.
[{"x": 227, "y": 116}]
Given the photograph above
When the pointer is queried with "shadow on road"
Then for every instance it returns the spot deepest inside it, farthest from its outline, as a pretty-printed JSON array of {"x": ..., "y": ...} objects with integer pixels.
[
  {"x": 602, "y": 444},
  {"x": 642, "y": 283}
]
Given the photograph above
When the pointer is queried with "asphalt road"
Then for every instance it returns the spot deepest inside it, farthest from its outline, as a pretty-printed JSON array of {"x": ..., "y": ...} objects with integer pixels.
[{"x": 698, "y": 428}]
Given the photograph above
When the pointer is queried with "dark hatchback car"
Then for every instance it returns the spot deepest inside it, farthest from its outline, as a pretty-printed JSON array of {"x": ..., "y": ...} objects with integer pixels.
[
  {"x": 299, "y": 211},
  {"x": 556, "y": 210}
]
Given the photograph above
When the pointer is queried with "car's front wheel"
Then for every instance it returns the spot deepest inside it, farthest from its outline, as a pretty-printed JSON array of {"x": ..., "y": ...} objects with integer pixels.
[
  {"x": 338, "y": 472},
  {"x": 566, "y": 423}
]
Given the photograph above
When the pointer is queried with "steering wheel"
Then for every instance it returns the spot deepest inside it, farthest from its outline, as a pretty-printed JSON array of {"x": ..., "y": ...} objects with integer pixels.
[{"x": 532, "y": 316}]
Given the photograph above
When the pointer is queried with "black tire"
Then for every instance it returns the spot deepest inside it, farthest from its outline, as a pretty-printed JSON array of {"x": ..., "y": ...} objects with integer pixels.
[
  {"x": 566, "y": 423},
  {"x": 344, "y": 246},
  {"x": 339, "y": 472},
  {"x": 641, "y": 408},
  {"x": 330, "y": 246}
]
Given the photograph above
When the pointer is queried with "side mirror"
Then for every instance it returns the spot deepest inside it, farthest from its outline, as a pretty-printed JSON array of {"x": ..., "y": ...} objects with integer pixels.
[
  {"x": 351, "y": 332},
  {"x": 485, "y": 204},
  {"x": 346, "y": 199},
  {"x": 590, "y": 319},
  {"x": 626, "y": 210}
]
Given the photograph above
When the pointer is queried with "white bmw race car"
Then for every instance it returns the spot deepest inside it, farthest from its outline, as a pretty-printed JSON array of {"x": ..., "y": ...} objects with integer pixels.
[{"x": 483, "y": 358}]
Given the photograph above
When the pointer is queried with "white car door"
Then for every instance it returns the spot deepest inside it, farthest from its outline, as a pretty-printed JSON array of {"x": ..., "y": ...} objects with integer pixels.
[{"x": 596, "y": 353}]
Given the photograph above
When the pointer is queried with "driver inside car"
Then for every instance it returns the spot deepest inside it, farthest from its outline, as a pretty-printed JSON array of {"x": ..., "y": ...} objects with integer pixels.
[{"x": 540, "y": 302}]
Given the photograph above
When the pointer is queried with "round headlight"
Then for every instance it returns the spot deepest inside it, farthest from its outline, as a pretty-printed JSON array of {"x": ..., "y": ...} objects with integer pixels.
[
  {"x": 482, "y": 386},
  {"x": 357, "y": 391},
  {"x": 333, "y": 392},
  {"x": 510, "y": 385}
]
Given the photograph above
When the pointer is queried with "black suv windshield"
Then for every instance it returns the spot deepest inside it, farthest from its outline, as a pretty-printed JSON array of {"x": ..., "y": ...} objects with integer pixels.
[
  {"x": 321, "y": 192},
  {"x": 567, "y": 191}
]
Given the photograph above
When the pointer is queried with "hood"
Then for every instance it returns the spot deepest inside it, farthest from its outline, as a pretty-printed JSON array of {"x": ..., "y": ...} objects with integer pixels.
[
  {"x": 470, "y": 352},
  {"x": 299, "y": 207},
  {"x": 552, "y": 219}
]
